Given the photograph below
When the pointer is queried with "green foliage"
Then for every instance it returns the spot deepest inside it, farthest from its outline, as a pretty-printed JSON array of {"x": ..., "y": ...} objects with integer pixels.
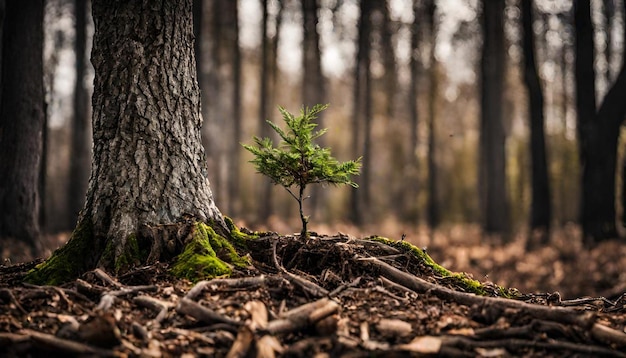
[{"x": 298, "y": 161}]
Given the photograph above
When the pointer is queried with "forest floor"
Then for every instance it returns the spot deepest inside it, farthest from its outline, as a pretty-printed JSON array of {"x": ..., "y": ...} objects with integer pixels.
[{"x": 337, "y": 295}]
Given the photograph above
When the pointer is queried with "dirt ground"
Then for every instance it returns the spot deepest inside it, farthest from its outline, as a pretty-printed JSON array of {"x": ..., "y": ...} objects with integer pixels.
[{"x": 337, "y": 295}]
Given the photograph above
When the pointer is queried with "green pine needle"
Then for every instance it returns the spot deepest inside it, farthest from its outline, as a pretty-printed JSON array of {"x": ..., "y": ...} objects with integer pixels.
[{"x": 297, "y": 160}]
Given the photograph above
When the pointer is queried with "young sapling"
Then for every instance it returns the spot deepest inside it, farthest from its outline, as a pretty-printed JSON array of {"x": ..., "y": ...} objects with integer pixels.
[{"x": 297, "y": 160}]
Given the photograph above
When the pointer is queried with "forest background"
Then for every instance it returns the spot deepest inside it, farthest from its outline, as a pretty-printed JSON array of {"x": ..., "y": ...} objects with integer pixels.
[{"x": 405, "y": 88}]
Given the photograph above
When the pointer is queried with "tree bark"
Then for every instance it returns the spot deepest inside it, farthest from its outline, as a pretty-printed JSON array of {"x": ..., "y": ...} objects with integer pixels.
[
  {"x": 148, "y": 165},
  {"x": 80, "y": 147},
  {"x": 21, "y": 120},
  {"x": 265, "y": 207},
  {"x": 312, "y": 78},
  {"x": 362, "y": 112},
  {"x": 433, "y": 200},
  {"x": 540, "y": 211},
  {"x": 598, "y": 134},
  {"x": 492, "y": 181},
  {"x": 413, "y": 184}
]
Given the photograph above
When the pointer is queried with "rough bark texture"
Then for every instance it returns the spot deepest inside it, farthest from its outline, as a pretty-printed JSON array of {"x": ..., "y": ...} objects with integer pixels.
[
  {"x": 80, "y": 150},
  {"x": 148, "y": 159},
  {"x": 492, "y": 151},
  {"x": 21, "y": 120},
  {"x": 148, "y": 163},
  {"x": 540, "y": 212}
]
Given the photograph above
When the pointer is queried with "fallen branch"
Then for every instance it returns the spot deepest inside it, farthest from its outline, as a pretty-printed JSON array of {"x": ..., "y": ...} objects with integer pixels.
[
  {"x": 557, "y": 314},
  {"x": 64, "y": 345},
  {"x": 303, "y": 316},
  {"x": 233, "y": 283},
  {"x": 203, "y": 314},
  {"x": 156, "y": 305},
  {"x": 309, "y": 287}
]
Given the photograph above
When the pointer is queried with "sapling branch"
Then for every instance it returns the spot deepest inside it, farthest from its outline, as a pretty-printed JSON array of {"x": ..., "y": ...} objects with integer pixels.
[{"x": 297, "y": 160}]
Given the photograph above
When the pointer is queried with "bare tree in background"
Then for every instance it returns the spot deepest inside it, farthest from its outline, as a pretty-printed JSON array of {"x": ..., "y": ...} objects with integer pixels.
[
  {"x": 433, "y": 204},
  {"x": 80, "y": 146},
  {"x": 492, "y": 177},
  {"x": 540, "y": 212},
  {"x": 413, "y": 159},
  {"x": 269, "y": 73},
  {"x": 22, "y": 117},
  {"x": 362, "y": 112},
  {"x": 312, "y": 78},
  {"x": 598, "y": 133}
]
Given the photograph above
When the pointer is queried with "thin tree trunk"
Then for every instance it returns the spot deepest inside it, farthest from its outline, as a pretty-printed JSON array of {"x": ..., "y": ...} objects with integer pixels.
[
  {"x": 80, "y": 147},
  {"x": 265, "y": 198},
  {"x": 312, "y": 77},
  {"x": 494, "y": 201},
  {"x": 413, "y": 185},
  {"x": 228, "y": 101},
  {"x": 540, "y": 212},
  {"x": 361, "y": 120},
  {"x": 433, "y": 203},
  {"x": 21, "y": 120},
  {"x": 235, "y": 147}
]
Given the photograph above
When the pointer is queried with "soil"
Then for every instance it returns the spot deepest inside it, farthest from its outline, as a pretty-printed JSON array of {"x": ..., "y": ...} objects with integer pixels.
[{"x": 329, "y": 296}]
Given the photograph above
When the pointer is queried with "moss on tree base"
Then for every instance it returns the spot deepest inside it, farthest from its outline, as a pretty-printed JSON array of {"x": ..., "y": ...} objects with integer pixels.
[
  {"x": 196, "y": 250},
  {"x": 67, "y": 262},
  {"x": 206, "y": 255}
]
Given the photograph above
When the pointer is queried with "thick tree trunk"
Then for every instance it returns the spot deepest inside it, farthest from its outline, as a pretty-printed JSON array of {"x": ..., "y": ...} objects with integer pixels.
[
  {"x": 80, "y": 146},
  {"x": 540, "y": 212},
  {"x": 148, "y": 164},
  {"x": 21, "y": 120},
  {"x": 598, "y": 134},
  {"x": 494, "y": 201}
]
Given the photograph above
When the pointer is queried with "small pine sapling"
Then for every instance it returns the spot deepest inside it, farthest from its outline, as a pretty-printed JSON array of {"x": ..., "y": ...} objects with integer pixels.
[{"x": 297, "y": 161}]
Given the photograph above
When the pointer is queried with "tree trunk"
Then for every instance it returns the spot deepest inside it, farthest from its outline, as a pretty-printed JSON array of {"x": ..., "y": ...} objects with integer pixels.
[
  {"x": 361, "y": 120},
  {"x": 21, "y": 120},
  {"x": 413, "y": 160},
  {"x": 494, "y": 201},
  {"x": 433, "y": 201},
  {"x": 540, "y": 213},
  {"x": 148, "y": 164},
  {"x": 80, "y": 147},
  {"x": 265, "y": 207},
  {"x": 312, "y": 78},
  {"x": 598, "y": 135}
]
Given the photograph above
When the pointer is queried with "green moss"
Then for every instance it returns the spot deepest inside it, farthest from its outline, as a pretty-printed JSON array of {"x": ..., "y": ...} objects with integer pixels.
[
  {"x": 461, "y": 279},
  {"x": 67, "y": 262},
  {"x": 238, "y": 238},
  {"x": 131, "y": 254},
  {"x": 206, "y": 255}
]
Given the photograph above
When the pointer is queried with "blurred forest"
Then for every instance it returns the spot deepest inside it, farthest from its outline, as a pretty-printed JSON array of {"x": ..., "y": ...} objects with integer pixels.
[{"x": 465, "y": 112}]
